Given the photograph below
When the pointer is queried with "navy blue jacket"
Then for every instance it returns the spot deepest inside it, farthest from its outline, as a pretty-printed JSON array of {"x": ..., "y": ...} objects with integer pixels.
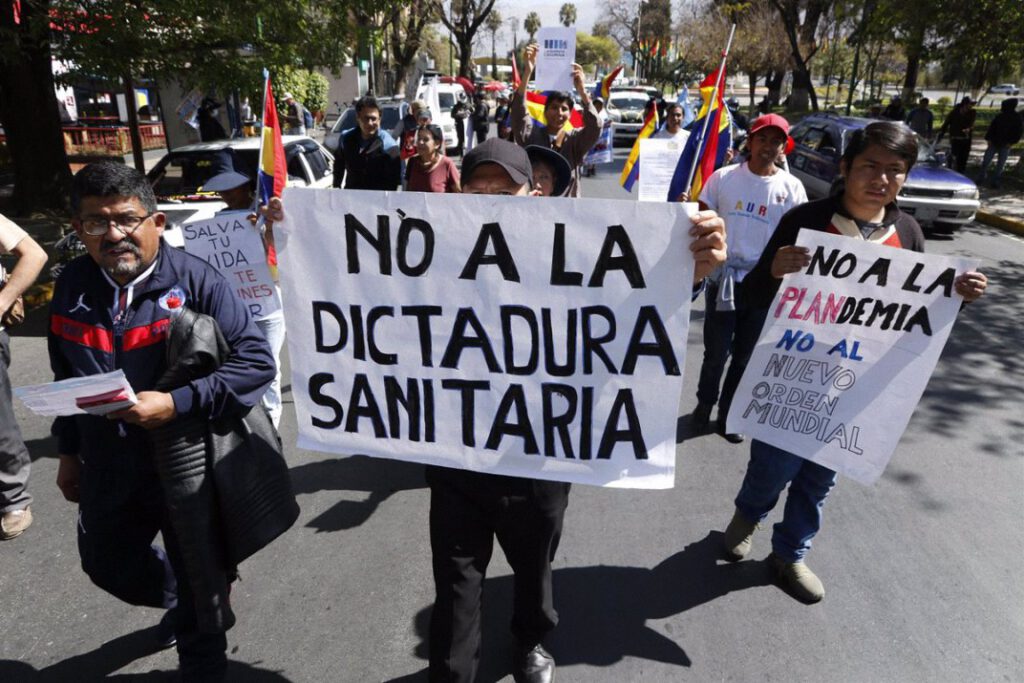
[{"x": 84, "y": 340}]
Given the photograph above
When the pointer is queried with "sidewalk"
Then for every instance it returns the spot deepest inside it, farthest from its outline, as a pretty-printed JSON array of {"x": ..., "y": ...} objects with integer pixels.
[{"x": 1002, "y": 208}]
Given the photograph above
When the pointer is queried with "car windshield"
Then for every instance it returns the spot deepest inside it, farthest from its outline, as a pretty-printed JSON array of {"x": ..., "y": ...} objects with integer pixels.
[
  {"x": 628, "y": 102},
  {"x": 181, "y": 174},
  {"x": 925, "y": 152},
  {"x": 389, "y": 117}
]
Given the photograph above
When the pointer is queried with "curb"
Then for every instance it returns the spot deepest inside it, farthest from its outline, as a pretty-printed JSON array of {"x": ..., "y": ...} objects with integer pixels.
[{"x": 1014, "y": 225}]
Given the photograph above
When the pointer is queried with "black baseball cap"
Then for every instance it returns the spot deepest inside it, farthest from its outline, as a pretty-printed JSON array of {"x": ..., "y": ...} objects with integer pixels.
[{"x": 508, "y": 155}]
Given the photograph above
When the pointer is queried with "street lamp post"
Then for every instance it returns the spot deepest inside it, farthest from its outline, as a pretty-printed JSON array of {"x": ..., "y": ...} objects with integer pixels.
[{"x": 639, "y": 28}]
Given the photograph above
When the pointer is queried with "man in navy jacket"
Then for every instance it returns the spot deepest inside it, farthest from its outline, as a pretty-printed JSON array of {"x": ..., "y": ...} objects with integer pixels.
[{"x": 112, "y": 310}]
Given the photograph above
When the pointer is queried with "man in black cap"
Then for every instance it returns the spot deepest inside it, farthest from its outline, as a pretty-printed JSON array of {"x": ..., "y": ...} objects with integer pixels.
[{"x": 469, "y": 509}]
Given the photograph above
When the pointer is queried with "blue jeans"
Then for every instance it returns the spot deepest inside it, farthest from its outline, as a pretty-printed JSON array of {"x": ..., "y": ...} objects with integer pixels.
[
  {"x": 726, "y": 333},
  {"x": 768, "y": 472},
  {"x": 991, "y": 151},
  {"x": 272, "y": 327}
]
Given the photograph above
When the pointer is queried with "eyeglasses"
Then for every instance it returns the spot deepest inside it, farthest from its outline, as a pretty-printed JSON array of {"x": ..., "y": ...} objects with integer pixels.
[{"x": 126, "y": 223}]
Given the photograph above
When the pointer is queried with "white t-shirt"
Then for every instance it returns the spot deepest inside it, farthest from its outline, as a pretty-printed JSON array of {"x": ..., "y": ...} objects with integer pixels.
[
  {"x": 751, "y": 206},
  {"x": 680, "y": 137}
]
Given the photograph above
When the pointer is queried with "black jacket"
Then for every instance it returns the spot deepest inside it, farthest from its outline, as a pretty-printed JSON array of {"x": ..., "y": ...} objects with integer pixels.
[
  {"x": 367, "y": 164},
  {"x": 225, "y": 482},
  {"x": 1006, "y": 128}
]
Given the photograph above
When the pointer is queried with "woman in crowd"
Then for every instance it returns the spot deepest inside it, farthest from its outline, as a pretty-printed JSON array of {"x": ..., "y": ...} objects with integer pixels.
[{"x": 430, "y": 170}]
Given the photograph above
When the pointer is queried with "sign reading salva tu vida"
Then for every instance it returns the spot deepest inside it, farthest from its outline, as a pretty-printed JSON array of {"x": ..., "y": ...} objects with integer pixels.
[
  {"x": 514, "y": 335},
  {"x": 846, "y": 352},
  {"x": 231, "y": 244}
]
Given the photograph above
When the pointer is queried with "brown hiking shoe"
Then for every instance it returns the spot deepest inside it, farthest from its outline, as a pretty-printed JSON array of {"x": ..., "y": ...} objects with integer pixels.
[
  {"x": 739, "y": 536},
  {"x": 14, "y": 523},
  {"x": 800, "y": 580}
]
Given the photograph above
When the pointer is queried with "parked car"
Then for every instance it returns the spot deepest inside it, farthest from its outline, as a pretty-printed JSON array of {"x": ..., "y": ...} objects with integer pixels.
[
  {"x": 939, "y": 198},
  {"x": 626, "y": 112},
  {"x": 391, "y": 114},
  {"x": 447, "y": 95},
  {"x": 1004, "y": 89},
  {"x": 179, "y": 175}
]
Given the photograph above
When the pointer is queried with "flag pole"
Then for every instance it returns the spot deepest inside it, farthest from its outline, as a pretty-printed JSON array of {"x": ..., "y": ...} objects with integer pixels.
[
  {"x": 263, "y": 125},
  {"x": 707, "y": 117}
]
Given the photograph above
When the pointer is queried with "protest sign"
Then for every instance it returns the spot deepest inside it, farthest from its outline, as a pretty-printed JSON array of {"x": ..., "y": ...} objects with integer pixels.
[
  {"x": 658, "y": 159},
  {"x": 230, "y": 244},
  {"x": 602, "y": 152},
  {"x": 556, "y": 53},
  {"x": 515, "y": 335},
  {"x": 846, "y": 352}
]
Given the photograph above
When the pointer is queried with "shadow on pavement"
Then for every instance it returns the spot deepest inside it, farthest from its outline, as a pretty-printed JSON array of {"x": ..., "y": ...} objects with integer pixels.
[
  {"x": 378, "y": 477},
  {"x": 603, "y": 611},
  {"x": 102, "y": 662},
  {"x": 982, "y": 344}
]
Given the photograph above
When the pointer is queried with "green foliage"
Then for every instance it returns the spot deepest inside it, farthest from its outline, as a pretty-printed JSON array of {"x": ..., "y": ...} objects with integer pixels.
[
  {"x": 210, "y": 43},
  {"x": 567, "y": 14},
  {"x": 532, "y": 24},
  {"x": 592, "y": 50},
  {"x": 316, "y": 91}
]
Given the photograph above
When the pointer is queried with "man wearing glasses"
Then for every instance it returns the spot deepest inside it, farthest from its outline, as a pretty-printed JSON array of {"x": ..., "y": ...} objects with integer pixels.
[{"x": 112, "y": 310}]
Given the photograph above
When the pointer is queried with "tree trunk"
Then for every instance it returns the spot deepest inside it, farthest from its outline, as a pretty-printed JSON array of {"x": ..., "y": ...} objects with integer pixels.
[
  {"x": 914, "y": 48},
  {"x": 774, "y": 83},
  {"x": 752, "y": 76},
  {"x": 28, "y": 108},
  {"x": 465, "y": 57}
]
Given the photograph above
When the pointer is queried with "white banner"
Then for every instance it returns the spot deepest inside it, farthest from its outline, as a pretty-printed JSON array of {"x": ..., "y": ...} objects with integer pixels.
[
  {"x": 602, "y": 152},
  {"x": 231, "y": 244},
  {"x": 658, "y": 159},
  {"x": 524, "y": 336},
  {"x": 556, "y": 53},
  {"x": 846, "y": 352}
]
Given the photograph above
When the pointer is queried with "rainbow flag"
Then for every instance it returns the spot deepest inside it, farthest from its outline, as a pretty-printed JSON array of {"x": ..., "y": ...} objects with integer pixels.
[
  {"x": 631, "y": 171},
  {"x": 272, "y": 173},
  {"x": 709, "y": 152},
  {"x": 604, "y": 88},
  {"x": 535, "y": 102}
]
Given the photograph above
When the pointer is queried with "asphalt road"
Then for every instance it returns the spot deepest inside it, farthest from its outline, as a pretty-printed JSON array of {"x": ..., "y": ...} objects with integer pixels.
[{"x": 921, "y": 570}]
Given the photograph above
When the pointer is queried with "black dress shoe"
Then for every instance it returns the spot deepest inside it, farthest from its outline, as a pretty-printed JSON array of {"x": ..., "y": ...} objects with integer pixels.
[
  {"x": 534, "y": 665},
  {"x": 728, "y": 436},
  {"x": 165, "y": 636}
]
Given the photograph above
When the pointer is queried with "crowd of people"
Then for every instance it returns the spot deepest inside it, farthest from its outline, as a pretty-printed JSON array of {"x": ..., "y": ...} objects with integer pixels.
[{"x": 112, "y": 309}]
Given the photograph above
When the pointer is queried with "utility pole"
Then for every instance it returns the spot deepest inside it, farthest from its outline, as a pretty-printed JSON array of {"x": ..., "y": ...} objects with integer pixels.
[{"x": 639, "y": 26}]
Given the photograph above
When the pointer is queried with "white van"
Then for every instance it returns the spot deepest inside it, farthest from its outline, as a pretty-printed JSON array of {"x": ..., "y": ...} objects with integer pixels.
[{"x": 447, "y": 95}]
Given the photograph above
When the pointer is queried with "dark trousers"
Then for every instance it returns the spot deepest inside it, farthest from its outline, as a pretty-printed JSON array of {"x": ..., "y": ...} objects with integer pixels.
[
  {"x": 726, "y": 333},
  {"x": 120, "y": 512},
  {"x": 481, "y": 132},
  {"x": 15, "y": 462},
  {"x": 960, "y": 149},
  {"x": 467, "y": 511},
  {"x": 460, "y": 132}
]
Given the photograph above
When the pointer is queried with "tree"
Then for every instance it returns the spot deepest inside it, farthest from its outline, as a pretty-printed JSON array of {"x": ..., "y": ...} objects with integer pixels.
[
  {"x": 28, "y": 108},
  {"x": 467, "y": 16},
  {"x": 567, "y": 14},
  {"x": 985, "y": 36},
  {"x": 532, "y": 24},
  {"x": 800, "y": 20},
  {"x": 494, "y": 23},
  {"x": 405, "y": 37},
  {"x": 202, "y": 43},
  {"x": 596, "y": 51}
]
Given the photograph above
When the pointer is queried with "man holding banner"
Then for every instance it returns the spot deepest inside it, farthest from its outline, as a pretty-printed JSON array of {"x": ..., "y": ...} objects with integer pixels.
[
  {"x": 751, "y": 196},
  {"x": 480, "y": 491},
  {"x": 556, "y": 132},
  {"x": 873, "y": 168}
]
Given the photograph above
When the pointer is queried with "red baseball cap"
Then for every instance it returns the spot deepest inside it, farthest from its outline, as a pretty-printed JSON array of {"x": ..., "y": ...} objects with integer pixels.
[{"x": 773, "y": 121}]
